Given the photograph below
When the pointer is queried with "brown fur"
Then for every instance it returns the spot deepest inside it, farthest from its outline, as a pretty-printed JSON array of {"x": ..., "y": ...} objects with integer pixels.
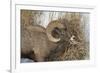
[{"x": 34, "y": 38}]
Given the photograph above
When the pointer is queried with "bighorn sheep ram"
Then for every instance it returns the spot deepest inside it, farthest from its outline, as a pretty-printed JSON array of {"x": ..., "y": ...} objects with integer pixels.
[{"x": 42, "y": 44}]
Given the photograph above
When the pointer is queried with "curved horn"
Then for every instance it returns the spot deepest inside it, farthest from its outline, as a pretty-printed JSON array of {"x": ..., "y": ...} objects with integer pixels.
[{"x": 51, "y": 26}]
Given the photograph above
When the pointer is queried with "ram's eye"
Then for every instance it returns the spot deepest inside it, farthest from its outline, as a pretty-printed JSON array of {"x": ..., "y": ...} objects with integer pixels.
[
  {"x": 56, "y": 33},
  {"x": 63, "y": 31}
]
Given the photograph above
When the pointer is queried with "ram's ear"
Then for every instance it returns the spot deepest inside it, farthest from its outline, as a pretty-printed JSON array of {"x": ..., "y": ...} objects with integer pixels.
[{"x": 53, "y": 30}]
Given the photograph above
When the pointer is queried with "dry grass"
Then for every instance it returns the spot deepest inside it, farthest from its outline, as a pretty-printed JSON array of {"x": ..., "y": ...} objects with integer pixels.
[{"x": 70, "y": 50}]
